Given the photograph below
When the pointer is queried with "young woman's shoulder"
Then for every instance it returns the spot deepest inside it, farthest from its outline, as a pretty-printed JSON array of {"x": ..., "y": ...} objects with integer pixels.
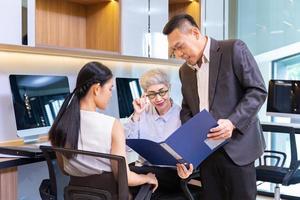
[
  {"x": 93, "y": 114},
  {"x": 108, "y": 117},
  {"x": 90, "y": 117},
  {"x": 117, "y": 129}
]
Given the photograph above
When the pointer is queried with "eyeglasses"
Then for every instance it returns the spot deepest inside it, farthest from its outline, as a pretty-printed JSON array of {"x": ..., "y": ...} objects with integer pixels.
[{"x": 161, "y": 93}]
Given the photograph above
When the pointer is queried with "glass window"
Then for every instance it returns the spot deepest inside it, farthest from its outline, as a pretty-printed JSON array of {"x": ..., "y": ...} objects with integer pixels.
[
  {"x": 265, "y": 25},
  {"x": 285, "y": 69}
]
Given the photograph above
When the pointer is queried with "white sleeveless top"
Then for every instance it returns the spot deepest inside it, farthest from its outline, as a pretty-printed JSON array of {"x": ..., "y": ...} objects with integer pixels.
[{"x": 95, "y": 135}]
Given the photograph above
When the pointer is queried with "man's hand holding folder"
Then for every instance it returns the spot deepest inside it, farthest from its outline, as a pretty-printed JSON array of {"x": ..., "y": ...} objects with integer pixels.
[{"x": 187, "y": 145}]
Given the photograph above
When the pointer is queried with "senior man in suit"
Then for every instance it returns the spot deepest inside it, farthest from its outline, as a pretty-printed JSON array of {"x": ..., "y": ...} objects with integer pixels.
[{"x": 222, "y": 77}]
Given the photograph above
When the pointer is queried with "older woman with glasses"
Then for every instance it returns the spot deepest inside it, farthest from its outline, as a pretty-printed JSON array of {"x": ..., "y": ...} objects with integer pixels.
[
  {"x": 155, "y": 118},
  {"x": 155, "y": 115}
]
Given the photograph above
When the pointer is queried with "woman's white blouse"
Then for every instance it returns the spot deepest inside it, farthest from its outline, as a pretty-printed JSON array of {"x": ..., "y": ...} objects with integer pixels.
[
  {"x": 95, "y": 135},
  {"x": 153, "y": 127}
]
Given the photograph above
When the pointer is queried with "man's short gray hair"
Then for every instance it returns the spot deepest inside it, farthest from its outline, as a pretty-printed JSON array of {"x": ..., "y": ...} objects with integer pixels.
[{"x": 153, "y": 77}]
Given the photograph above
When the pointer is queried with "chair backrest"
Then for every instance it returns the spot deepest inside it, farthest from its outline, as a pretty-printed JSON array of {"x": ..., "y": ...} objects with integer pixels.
[
  {"x": 189, "y": 194},
  {"x": 48, "y": 187},
  {"x": 276, "y": 172},
  {"x": 275, "y": 158},
  {"x": 86, "y": 192},
  {"x": 293, "y": 145}
]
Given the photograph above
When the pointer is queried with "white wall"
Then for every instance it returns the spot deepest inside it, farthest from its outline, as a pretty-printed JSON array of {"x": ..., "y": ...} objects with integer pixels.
[
  {"x": 214, "y": 18},
  {"x": 134, "y": 24},
  {"x": 134, "y": 28},
  {"x": 159, "y": 15},
  {"x": 31, "y": 22},
  {"x": 10, "y": 22}
]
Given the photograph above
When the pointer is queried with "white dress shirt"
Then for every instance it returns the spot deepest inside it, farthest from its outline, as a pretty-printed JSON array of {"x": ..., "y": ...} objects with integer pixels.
[{"x": 203, "y": 78}]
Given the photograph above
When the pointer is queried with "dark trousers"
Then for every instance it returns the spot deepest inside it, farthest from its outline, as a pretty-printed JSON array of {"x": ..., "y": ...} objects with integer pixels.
[
  {"x": 222, "y": 179},
  {"x": 168, "y": 180}
]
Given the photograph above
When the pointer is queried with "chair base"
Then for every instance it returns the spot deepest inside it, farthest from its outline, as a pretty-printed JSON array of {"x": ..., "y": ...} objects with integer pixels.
[{"x": 277, "y": 192}]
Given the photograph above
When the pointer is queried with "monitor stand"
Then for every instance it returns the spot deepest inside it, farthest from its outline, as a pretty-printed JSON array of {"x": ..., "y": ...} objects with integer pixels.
[{"x": 31, "y": 139}]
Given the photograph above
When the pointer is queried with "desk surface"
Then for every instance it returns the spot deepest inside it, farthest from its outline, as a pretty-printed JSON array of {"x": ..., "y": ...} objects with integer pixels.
[{"x": 13, "y": 162}]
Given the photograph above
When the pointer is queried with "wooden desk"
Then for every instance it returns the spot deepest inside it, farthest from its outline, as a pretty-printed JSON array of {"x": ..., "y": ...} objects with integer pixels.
[
  {"x": 9, "y": 173},
  {"x": 8, "y": 181},
  {"x": 9, "y": 176}
]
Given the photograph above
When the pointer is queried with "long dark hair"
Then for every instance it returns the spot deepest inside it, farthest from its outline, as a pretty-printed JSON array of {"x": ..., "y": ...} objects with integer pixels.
[{"x": 65, "y": 129}]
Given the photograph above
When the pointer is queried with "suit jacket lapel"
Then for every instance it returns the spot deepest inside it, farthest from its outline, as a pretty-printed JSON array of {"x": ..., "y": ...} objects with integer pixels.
[
  {"x": 214, "y": 66},
  {"x": 194, "y": 89}
]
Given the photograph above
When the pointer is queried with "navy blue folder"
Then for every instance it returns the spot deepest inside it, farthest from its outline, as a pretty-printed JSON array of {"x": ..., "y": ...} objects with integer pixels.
[{"x": 188, "y": 144}]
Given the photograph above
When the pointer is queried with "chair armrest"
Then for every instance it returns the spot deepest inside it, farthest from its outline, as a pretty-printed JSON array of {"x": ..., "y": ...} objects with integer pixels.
[
  {"x": 145, "y": 192},
  {"x": 291, "y": 173},
  {"x": 184, "y": 184},
  {"x": 195, "y": 174}
]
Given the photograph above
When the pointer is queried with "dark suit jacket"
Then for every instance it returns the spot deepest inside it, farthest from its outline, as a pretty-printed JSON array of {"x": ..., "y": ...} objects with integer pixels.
[{"x": 236, "y": 92}]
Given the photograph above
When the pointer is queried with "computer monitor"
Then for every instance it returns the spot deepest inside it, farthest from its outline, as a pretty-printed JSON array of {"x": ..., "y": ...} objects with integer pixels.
[
  {"x": 284, "y": 98},
  {"x": 36, "y": 100},
  {"x": 128, "y": 89}
]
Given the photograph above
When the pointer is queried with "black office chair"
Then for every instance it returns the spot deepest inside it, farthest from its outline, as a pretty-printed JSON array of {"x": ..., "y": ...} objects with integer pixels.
[
  {"x": 192, "y": 186},
  {"x": 48, "y": 187},
  {"x": 275, "y": 171}
]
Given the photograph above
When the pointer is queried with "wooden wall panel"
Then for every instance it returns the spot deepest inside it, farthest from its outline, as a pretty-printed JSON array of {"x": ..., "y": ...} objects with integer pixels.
[
  {"x": 103, "y": 26},
  {"x": 60, "y": 23},
  {"x": 88, "y": 1},
  {"x": 8, "y": 184},
  {"x": 192, "y": 8}
]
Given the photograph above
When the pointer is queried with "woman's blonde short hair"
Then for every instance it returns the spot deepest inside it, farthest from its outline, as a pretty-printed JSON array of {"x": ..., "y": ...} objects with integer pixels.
[{"x": 153, "y": 77}]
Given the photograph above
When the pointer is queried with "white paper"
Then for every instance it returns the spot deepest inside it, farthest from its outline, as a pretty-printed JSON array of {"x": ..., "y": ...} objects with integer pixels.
[{"x": 213, "y": 143}]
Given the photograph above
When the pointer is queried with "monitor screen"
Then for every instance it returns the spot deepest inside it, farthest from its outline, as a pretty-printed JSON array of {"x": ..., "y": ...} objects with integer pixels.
[
  {"x": 284, "y": 98},
  {"x": 128, "y": 89},
  {"x": 37, "y": 100}
]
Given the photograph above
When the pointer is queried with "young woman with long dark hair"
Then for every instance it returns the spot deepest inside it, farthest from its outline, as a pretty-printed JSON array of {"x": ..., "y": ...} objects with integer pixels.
[{"x": 79, "y": 126}]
